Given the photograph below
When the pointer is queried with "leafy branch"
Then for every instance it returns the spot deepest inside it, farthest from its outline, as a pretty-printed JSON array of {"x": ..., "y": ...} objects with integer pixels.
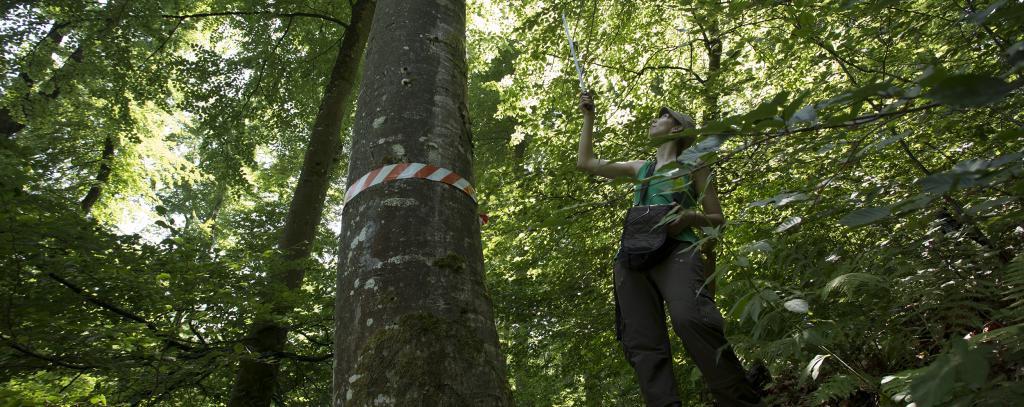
[{"x": 257, "y": 13}]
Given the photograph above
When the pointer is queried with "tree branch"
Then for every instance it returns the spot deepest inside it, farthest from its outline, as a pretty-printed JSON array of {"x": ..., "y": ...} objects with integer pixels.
[
  {"x": 654, "y": 68},
  {"x": 89, "y": 297},
  {"x": 304, "y": 358},
  {"x": 255, "y": 13},
  {"x": 23, "y": 349}
]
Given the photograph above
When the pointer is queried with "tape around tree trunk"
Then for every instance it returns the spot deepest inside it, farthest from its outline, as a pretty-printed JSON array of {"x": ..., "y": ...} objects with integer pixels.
[{"x": 412, "y": 170}]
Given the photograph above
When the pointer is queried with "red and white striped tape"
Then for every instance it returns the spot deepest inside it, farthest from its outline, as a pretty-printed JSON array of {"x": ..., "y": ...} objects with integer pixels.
[{"x": 409, "y": 170}]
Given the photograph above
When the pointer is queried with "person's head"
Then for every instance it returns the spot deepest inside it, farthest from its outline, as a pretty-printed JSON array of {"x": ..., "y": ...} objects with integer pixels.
[{"x": 670, "y": 121}]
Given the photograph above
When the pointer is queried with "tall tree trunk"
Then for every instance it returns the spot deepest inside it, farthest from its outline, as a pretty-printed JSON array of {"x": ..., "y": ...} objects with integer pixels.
[
  {"x": 413, "y": 322},
  {"x": 101, "y": 178},
  {"x": 257, "y": 375},
  {"x": 713, "y": 46},
  {"x": 712, "y": 111}
]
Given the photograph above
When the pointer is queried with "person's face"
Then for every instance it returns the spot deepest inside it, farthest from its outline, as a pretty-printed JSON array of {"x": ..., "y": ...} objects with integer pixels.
[{"x": 663, "y": 125}]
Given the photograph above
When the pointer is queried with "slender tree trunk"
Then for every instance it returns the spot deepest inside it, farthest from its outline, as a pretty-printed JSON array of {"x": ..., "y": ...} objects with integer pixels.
[
  {"x": 413, "y": 322},
  {"x": 101, "y": 178},
  {"x": 713, "y": 46},
  {"x": 257, "y": 375},
  {"x": 712, "y": 111}
]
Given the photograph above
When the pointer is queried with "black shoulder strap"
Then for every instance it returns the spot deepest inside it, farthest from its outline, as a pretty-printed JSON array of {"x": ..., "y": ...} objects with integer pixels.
[
  {"x": 677, "y": 196},
  {"x": 647, "y": 174}
]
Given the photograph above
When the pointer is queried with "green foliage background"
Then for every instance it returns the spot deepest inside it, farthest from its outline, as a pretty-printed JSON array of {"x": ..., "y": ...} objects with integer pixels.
[{"x": 868, "y": 154}]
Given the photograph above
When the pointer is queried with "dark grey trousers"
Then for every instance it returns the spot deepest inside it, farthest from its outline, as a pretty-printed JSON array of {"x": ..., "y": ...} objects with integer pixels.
[{"x": 695, "y": 318}]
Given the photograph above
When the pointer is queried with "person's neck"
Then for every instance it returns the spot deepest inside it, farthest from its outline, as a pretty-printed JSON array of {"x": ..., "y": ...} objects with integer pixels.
[{"x": 666, "y": 153}]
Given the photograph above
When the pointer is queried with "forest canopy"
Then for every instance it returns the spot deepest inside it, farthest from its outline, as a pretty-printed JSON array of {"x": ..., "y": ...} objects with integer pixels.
[{"x": 869, "y": 156}]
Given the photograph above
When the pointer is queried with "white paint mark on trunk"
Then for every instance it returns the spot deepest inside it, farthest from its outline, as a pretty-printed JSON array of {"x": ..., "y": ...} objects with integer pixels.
[
  {"x": 399, "y": 202},
  {"x": 405, "y": 258},
  {"x": 363, "y": 235}
]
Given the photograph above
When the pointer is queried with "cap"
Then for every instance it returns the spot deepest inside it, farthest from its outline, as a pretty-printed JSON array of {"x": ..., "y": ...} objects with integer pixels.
[{"x": 681, "y": 118}]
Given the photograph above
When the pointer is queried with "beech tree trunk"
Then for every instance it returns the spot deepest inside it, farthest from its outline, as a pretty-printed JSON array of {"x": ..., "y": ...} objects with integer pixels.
[
  {"x": 257, "y": 374},
  {"x": 413, "y": 322}
]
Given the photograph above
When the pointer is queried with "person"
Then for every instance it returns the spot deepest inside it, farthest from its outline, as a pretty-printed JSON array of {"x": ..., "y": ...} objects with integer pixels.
[{"x": 677, "y": 281}]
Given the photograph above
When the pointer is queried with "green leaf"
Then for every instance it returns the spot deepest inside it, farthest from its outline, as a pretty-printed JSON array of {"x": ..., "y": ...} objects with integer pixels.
[
  {"x": 982, "y": 207},
  {"x": 865, "y": 216},
  {"x": 913, "y": 203},
  {"x": 758, "y": 246},
  {"x": 934, "y": 385},
  {"x": 838, "y": 387},
  {"x": 814, "y": 367},
  {"x": 767, "y": 109},
  {"x": 797, "y": 305},
  {"x": 932, "y": 75},
  {"x": 973, "y": 368},
  {"x": 742, "y": 261},
  {"x": 1015, "y": 55},
  {"x": 979, "y": 17},
  {"x": 788, "y": 223},
  {"x": 812, "y": 336},
  {"x": 889, "y": 140},
  {"x": 752, "y": 309},
  {"x": 938, "y": 183},
  {"x": 780, "y": 199},
  {"x": 808, "y": 114},
  {"x": 968, "y": 90},
  {"x": 872, "y": 89},
  {"x": 708, "y": 145},
  {"x": 795, "y": 104}
]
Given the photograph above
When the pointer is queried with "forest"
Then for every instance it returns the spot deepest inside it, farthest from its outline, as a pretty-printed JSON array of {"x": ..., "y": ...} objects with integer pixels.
[{"x": 195, "y": 211}]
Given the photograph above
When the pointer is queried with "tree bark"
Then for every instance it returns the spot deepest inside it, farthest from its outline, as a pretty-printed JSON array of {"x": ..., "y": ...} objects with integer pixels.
[
  {"x": 101, "y": 178},
  {"x": 712, "y": 111},
  {"x": 256, "y": 379},
  {"x": 713, "y": 45},
  {"x": 413, "y": 322}
]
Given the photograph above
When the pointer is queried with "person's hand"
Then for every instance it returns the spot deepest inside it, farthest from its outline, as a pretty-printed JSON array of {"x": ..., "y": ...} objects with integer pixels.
[
  {"x": 685, "y": 218},
  {"x": 586, "y": 104}
]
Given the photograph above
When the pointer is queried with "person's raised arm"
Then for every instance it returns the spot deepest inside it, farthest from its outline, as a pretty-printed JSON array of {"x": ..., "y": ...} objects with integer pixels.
[{"x": 585, "y": 160}]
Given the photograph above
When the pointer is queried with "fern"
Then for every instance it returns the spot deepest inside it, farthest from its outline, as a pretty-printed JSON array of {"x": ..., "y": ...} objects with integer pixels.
[
  {"x": 1014, "y": 282},
  {"x": 837, "y": 387},
  {"x": 848, "y": 283},
  {"x": 896, "y": 387}
]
